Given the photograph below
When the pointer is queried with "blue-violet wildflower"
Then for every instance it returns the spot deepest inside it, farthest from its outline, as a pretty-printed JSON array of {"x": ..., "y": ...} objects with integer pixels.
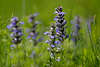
[
  {"x": 33, "y": 33},
  {"x": 16, "y": 30}
]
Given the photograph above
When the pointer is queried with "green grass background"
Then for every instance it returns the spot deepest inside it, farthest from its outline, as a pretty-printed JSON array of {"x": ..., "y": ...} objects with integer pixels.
[{"x": 85, "y": 54}]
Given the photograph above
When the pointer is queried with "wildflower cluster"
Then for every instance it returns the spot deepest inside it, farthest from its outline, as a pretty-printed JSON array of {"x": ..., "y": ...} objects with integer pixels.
[
  {"x": 52, "y": 39},
  {"x": 76, "y": 28},
  {"x": 57, "y": 34},
  {"x": 16, "y": 30},
  {"x": 33, "y": 34},
  {"x": 52, "y": 42},
  {"x": 60, "y": 24}
]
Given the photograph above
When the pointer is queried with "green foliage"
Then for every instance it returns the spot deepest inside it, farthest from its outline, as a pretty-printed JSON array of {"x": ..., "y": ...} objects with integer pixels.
[{"x": 85, "y": 54}]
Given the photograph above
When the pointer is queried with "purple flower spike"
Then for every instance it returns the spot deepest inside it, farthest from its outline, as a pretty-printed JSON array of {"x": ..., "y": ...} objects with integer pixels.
[
  {"x": 60, "y": 24},
  {"x": 57, "y": 34},
  {"x": 16, "y": 31},
  {"x": 33, "y": 32},
  {"x": 75, "y": 33}
]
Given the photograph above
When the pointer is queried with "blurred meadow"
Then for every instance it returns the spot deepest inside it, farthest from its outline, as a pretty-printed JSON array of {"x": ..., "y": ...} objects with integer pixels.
[{"x": 84, "y": 53}]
